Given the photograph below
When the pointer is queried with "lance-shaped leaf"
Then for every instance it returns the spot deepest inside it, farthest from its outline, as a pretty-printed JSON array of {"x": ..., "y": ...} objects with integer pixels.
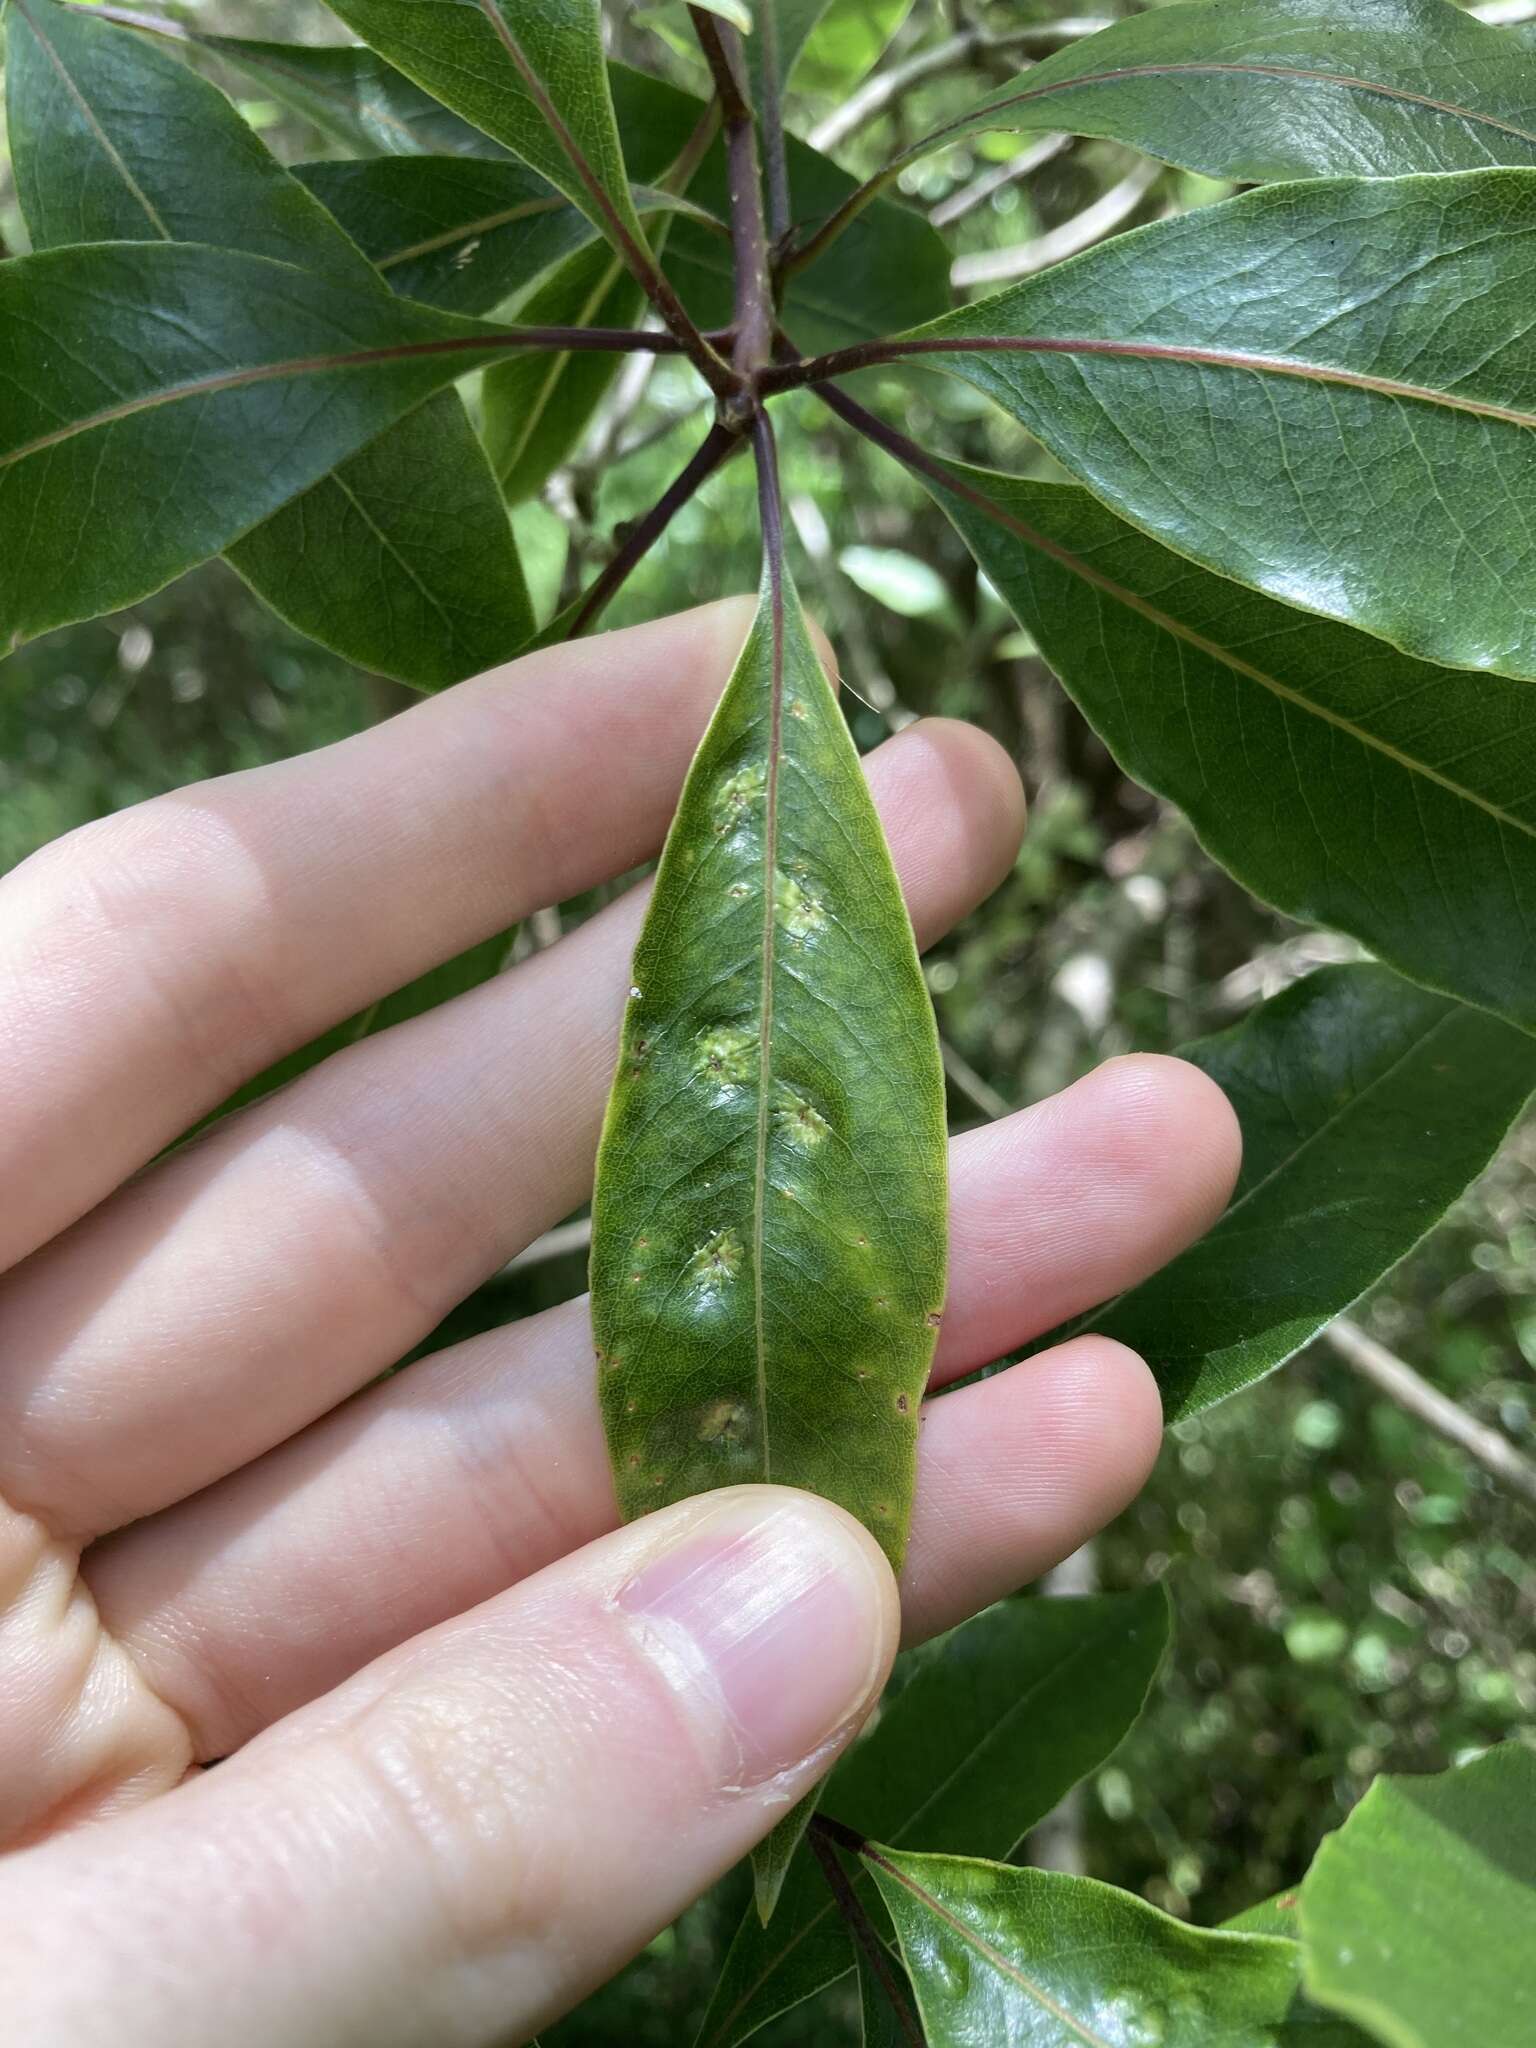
[
  {"x": 218, "y": 386},
  {"x": 1260, "y": 89},
  {"x": 1345, "y": 783},
  {"x": 1367, "y": 1106},
  {"x": 459, "y": 232},
  {"x": 1367, "y": 454},
  {"x": 350, "y": 94},
  {"x": 769, "y": 1224},
  {"x": 995, "y": 1724},
  {"x": 1005, "y": 1958},
  {"x": 530, "y": 73},
  {"x": 402, "y": 560},
  {"x": 1418, "y": 1917}
]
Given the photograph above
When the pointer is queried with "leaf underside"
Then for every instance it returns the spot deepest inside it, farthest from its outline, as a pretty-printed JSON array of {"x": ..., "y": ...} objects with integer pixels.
[
  {"x": 1344, "y": 783},
  {"x": 1261, "y": 89},
  {"x": 1257, "y": 385},
  {"x": 769, "y": 1219}
]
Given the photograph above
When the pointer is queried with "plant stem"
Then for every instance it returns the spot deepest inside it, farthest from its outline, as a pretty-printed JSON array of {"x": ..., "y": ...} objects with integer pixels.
[
  {"x": 657, "y": 287},
  {"x": 780, "y": 218},
  {"x": 716, "y": 449},
  {"x": 822, "y": 1835},
  {"x": 721, "y": 45}
]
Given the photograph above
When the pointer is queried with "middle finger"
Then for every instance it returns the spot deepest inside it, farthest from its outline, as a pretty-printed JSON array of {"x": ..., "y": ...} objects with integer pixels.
[{"x": 245, "y": 1286}]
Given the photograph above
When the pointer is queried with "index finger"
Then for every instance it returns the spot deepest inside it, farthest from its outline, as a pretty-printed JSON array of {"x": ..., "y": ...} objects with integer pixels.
[{"x": 152, "y": 962}]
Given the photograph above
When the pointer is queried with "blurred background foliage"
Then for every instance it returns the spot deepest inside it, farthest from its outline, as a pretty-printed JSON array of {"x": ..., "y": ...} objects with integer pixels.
[{"x": 1353, "y": 1595}]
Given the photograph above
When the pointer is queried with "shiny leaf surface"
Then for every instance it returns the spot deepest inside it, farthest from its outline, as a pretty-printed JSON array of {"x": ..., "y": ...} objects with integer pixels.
[
  {"x": 1345, "y": 783},
  {"x": 995, "y": 1723},
  {"x": 458, "y": 232},
  {"x": 1259, "y": 89},
  {"x": 769, "y": 1216},
  {"x": 402, "y": 560},
  {"x": 1005, "y": 1958},
  {"x": 352, "y": 95},
  {"x": 1418, "y": 1917},
  {"x": 198, "y": 356},
  {"x": 530, "y": 73},
  {"x": 1367, "y": 455},
  {"x": 1367, "y": 1107}
]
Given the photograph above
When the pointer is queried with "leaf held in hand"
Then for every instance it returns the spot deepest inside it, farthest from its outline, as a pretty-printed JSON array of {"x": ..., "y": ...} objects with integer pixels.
[{"x": 769, "y": 1222}]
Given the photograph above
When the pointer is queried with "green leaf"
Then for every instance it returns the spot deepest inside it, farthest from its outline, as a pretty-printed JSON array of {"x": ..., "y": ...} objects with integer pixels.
[
  {"x": 768, "y": 1226},
  {"x": 1367, "y": 1106},
  {"x": 536, "y": 405},
  {"x": 402, "y": 560},
  {"x": 123, "y": 467},
  {"x": 529, "y": 73},
  {"x": 1418, "y": 1917},
  {"x": 1271, "y": 1916},
  {"x": 1366, "y": 454},
  {"x": 1260, "y": 89},
  {"x": 1341, "y": 781},
  {"x": 352, "y": 95},
  {"x": 994, "y": 1725},
  {"x": 736, "y": 12},
  {"x": 458, "y": 232},
  {"x": 1005, "y": 1958},
  {"x": 774, "y": 1854}
]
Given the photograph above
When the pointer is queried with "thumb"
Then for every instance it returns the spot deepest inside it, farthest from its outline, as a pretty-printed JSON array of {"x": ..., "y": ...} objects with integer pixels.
[{"x": 472, "y": 1833}]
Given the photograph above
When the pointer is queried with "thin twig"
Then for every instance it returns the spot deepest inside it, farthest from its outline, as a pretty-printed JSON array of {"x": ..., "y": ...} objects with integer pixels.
[
  {"x": 721, "y": 45},
  {"x": 1094, "y": 224},
  {"x": 716, "y": 449},
  {"x": 1395, "y": 1378},
  {"x": 559, "y": 1243},
  {"x": 970, "y": 46},
  {"x": 862, "y": 1928},
  {"x": 996, "y": 180},
  {"x": 771, "y": 115},
  {"x": 978, "y": 1091}
]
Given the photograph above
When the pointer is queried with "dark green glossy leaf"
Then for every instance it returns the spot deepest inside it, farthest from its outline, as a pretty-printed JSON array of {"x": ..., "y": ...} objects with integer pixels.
[
  {"x": 780, "y": 31},
  {"x": 1368, "y": 455},
  {"x": 352, "y": 95},
  {"x": 1367, "y": 1107},
  {"x": 1259, "y": 89},
  {"x": 402, "y": 560},
  {"x": 459, "y": 232},
  {"x": 1006, "y": 1958},
  {"x": 1418, "y": 1918},
  {"x": 995, "y": 1724},
  {"x": 768, "y": 1226},
  {"x": 1343, "y": 782},
  {"x": 522, "y": 71},
  {"x": 122, "y": 468}
]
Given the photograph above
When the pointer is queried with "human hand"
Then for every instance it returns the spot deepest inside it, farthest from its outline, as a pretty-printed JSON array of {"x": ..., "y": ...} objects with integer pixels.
[{"x": 481, "y": 1745}]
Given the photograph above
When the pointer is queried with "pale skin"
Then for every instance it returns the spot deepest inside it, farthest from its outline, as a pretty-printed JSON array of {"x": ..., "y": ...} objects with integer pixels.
[{"x": 481, "y": 1744}]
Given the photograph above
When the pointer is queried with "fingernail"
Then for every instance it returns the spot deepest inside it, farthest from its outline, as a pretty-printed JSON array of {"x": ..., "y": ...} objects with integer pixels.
[{"x": 770, "y": 1620}]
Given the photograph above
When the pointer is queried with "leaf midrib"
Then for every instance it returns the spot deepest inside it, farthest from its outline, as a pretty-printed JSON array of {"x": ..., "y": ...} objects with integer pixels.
[
  {"x": 984, "y": 1948},
  {"x": 1195, "y": 67},
  {"x": 1214, "y": 358},
  {"x": 88, "y": 115}
]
